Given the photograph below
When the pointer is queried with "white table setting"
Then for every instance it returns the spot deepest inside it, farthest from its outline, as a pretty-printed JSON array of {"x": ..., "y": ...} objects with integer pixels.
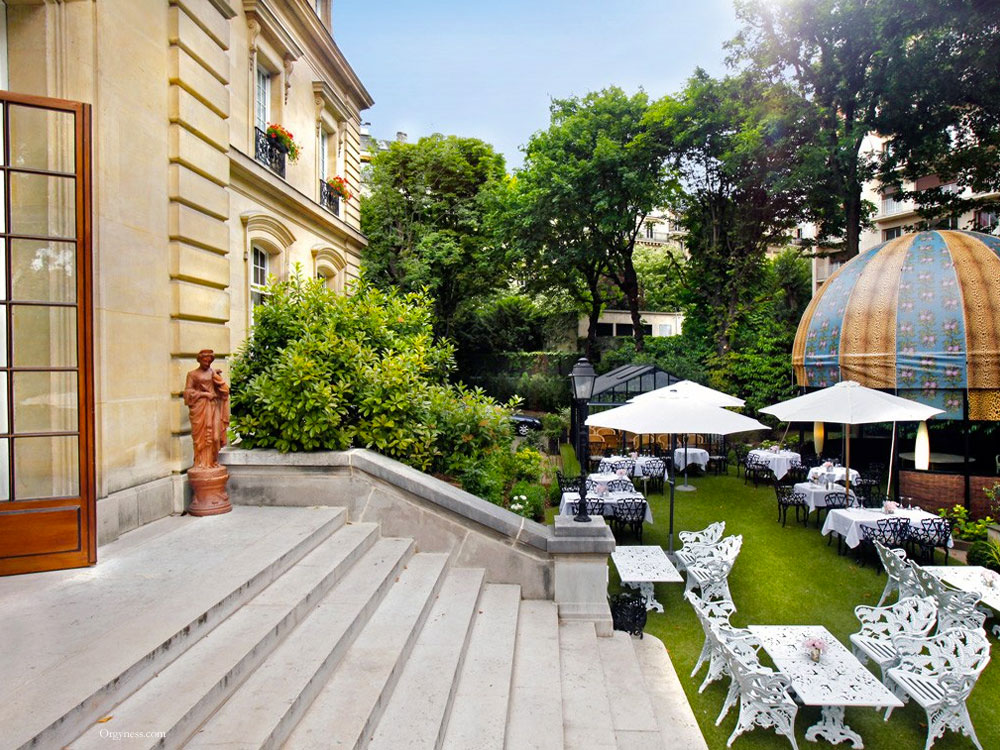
[
  {"x": 637, "y": 463},
  {"x": 833, "y": 678},
  {"x": 610, "y": 500},
  {"x": 697, "y": 456},
  {"x": 778, "y": 461},
  {"x": 816, "y": 494},
  {"x": 824, "y": 473},
  {"x": 847, "y": 522},
  {"x": 640, "y": 566}
]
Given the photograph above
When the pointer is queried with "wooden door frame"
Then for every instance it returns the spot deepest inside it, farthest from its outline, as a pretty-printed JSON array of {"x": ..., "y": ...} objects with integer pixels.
[{"x": 86, "y": 553}]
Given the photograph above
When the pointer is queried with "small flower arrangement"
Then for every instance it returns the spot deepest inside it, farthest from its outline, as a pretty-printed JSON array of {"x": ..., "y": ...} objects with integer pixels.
[
  {"x": 634, "y": 455},
  {"x": 890, "y": 506},
  {"x": 827, "y": 465},
  {"x": 815, "y": 647},
  {"x": 279, "y": 134},
  {"x": 518, "y": 502},
  {"x": 621, "y": 472},
  {"x": 602, "y": 488},
  {"x": 338, "y": 185}
]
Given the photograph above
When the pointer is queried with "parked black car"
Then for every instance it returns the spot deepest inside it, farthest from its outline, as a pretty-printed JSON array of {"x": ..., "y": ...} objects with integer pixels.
[{"x": 523, "y": 424}]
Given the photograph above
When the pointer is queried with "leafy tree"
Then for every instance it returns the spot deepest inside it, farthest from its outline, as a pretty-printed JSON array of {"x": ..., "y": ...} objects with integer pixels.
[
  {"x": 736, "y": 144},
  {"x": 660, "y": 277},
  {"x": 922, "y": 73},
  {"x": 576, "y": 207},
  {"x": 325, "y": 371},
  {"x": 425, "y": 222}
]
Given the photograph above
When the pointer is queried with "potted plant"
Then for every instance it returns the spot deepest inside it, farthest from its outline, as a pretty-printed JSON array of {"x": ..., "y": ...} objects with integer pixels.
[
  {"x": 338, "y": 186},
  {"x": 283, "y": 140}
]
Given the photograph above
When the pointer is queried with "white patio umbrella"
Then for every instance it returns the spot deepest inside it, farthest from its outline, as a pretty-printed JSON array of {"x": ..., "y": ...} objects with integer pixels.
[
  {"x": 695, "y": 390},
  {"x": 675, "y": 414},
  {"x": 849, "y": 402}
]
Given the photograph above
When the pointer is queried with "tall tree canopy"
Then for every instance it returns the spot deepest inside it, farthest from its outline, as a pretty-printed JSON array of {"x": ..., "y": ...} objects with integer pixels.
[
  {"x": 921, "y": 73},
  {"x": 425, "y": 221},
  {"x": 587, "y": 183},
  {"x": 736, "y": 143}
]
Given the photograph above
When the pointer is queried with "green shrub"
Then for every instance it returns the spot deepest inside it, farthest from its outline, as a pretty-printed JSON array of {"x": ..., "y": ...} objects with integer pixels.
[
  {"x": 323, "y": 371},
  {"x": 985, "y": 554},
  {"x": 964, "y": 528},
  {"x": 528, "y": 500}
]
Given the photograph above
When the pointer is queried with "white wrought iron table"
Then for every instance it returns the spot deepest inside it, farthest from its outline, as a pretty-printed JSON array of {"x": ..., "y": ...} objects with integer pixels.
[
  {"x": 836, "y": 681},
  {"x": 983, "y": 581},
  {"x": 640, "y": 566}
]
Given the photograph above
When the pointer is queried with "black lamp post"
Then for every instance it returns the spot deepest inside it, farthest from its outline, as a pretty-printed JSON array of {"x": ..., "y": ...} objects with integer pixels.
[{"x": 582, "y": 377}]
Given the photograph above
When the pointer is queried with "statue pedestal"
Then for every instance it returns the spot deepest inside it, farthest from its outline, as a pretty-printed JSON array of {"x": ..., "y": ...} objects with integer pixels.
[{"x": 209, "y": 489}]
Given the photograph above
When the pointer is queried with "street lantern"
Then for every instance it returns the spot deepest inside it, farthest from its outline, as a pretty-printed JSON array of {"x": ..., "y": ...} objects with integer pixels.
[{"x": 582, "y": 378}]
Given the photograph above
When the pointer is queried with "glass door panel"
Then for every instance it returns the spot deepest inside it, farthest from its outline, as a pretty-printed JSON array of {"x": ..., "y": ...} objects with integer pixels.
[
  {"x": 46, "y": 356},
  {"x": 43, "y": 271}
]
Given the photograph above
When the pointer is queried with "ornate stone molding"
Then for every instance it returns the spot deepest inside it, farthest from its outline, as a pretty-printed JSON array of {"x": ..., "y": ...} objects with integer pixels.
[
  {"x": 328, "y": 99},
  {"x": 262, "y": 226},
  {"x": 262, "y": 12}
]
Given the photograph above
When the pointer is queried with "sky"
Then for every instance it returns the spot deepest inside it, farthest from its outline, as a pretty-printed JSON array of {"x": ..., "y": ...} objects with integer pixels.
[{"x": 488, "y": 69}]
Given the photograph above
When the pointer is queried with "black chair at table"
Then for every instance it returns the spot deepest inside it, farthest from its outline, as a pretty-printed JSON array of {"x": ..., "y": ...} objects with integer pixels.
[
  {"x": 889, "y": 532},
  {"x": 719, "y": 463},
  {"x": 630, "y": 513},
  {"x": 567, "y": 484},
  {"x": 797, "y": 472},
  {"x": 789, "y": 498},
  {"x": 932, "y": 533},
  {"x": 740, "y": 452},
  {"x": 833, "y": 501},
  {"x": 593, "y": 505},
  {"x": 653, "y": 470}
]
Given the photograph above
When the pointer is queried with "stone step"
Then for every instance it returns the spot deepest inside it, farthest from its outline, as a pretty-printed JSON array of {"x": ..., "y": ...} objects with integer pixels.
[
  {"x": 264, "y": 709},
  {"x": 418, "y": 710},
  {"x": 182, "y": 696},
  {"x": 632, "y": 713},
  {"x": 347, "y": 708},
  {"x": 534, "y": 719},
  {"x": 137, "y": 611},
  {"x": 479, "y": 714},
  {"x": 587, "y": 722},
  {"x": 674, "y": 716}
]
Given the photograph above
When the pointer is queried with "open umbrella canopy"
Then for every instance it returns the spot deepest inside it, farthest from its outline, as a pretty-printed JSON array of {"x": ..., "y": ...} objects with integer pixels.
[
  {"x": 673, "y": 413},
  {"x": 694, "y": 390},
  {"x": 849, "y": 402}
]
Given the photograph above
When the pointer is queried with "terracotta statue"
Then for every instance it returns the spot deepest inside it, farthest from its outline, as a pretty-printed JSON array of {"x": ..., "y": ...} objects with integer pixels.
[{"x": 206, "y": 395}]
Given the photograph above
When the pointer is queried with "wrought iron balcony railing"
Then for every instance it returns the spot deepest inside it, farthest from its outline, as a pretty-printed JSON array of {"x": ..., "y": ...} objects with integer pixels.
[
  {"x": 329, "y": 199},
  {"x": 269, "y": 152}
]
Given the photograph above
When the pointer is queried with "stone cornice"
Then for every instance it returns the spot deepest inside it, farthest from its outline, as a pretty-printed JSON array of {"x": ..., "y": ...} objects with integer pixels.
[
  {"x": 256, "y": 181},
  {"x": 272, "y": 27},
  {"x": 331, "y": 100}
]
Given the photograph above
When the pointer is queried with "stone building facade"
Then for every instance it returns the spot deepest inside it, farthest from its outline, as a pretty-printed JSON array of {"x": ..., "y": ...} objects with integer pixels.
[{"x": 191, "y": 207}]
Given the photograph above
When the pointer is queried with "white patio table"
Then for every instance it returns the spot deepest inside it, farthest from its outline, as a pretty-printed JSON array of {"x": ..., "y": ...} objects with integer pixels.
[
  {"x": 833, "y": 474},
  {"x": 602, "y": 477},
  {"x": 640, "y": 461},
  {"x": 983, "y": 581},
  {"x": 694, "y": 456},
  {"x": 836, "y": 681},
  {"x": 610, "y": 502},
  {"x": 816, "y": 494},
  {"x": 640, "y": 566},
  {"x": 779, "y": 461},
  {"x": 847, "y": 522}
]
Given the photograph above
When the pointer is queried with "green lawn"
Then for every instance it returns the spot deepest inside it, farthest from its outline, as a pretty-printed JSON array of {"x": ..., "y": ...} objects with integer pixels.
[{"x": 784, "y": 576}]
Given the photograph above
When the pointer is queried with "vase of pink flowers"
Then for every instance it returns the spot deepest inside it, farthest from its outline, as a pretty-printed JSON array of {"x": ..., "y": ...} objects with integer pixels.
[{"x": 814, "y": 647}]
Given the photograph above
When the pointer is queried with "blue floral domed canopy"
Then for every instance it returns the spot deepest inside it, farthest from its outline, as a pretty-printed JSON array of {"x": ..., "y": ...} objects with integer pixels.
[{"x": 918, "y": 315}]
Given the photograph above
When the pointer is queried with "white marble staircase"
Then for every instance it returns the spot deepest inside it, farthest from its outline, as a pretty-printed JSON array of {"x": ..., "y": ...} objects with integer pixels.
[{"x": 289, "y": 627}]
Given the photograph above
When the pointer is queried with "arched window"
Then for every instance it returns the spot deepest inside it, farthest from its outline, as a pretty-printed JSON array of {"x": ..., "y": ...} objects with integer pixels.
[
  {"x": 330, "y": 266},
  {"x": 267, "y": 243}
]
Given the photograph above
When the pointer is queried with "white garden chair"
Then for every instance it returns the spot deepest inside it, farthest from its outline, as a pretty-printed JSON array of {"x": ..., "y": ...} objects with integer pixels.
[
  {"x": 939, "y": 673},
  {"x": 742, "y": 645},
  {"x": 956, "y": 609},
  {"x": 710, "y": 574},
  {"x": 764, "y": 702},
  {"x": 708, "y": 535},
  {"x": 898, "y": 572},
  {"x": 693, "y": 552},
  {"x": 913, "y": 616},
  {"x": 711, "y": 615}
]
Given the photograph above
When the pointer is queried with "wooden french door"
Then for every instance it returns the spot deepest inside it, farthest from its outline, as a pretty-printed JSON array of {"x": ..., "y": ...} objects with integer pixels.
[{"x": 47, "y": 487}]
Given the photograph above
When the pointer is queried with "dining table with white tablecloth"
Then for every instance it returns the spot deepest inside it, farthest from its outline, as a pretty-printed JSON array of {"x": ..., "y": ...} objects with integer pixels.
[
  {"x": 697, "y": 456},
  {"x": 847, "y": 522},
  {"x": 778, "y": 461},
  {"x": 608, "y": 462},
  {"x": 831, "y": 474},
  {"x": 816, "y": 494},
  {"x": 610, "y": 500}
]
